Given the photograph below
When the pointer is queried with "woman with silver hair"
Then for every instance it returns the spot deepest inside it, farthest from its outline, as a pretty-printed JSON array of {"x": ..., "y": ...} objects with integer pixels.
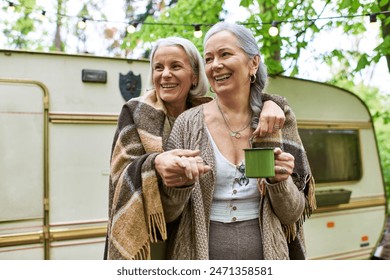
[
  {"x": 138, "y": 161},
  {"x": 224, "y": 214}
]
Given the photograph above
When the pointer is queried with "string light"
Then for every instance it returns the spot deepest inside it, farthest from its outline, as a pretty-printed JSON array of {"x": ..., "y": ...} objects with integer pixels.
[
  {"x": 11, "y": 7},
  {"x": 374, "y": 24},
  {"x": 197, "y": 33},
  {"x": 82, "y": 24},
  {"x": 274, "y": 31},
  {"x": 132, "y": 27},
  {"x": 42, "y": 16}
]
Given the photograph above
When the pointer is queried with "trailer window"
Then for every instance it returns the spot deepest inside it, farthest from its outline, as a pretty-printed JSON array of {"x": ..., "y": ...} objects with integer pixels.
[{"x": 334, "y": 155}]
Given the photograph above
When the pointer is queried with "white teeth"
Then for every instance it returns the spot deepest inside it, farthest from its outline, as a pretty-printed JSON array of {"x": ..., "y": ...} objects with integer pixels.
[
  {"x": 223, "y": 77},
  {"x": 168, "y": 86}
]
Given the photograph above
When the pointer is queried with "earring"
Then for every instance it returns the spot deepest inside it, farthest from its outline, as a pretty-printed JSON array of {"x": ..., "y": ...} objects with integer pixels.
[
  {"x": 211, "y": 90},
  {"x": 252, "y": 78}
]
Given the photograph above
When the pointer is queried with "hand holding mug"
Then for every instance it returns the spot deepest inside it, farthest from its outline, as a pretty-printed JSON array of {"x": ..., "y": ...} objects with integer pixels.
[{"x": 284, "y": 166}]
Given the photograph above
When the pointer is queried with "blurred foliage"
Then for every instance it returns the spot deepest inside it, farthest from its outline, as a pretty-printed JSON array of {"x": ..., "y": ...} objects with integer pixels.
[
  {"x": 300, "y": 22},
  {"x": 300, "y": 19},
  {"x": 17, "y": 33},
  {"x": 182, "y": 16}
]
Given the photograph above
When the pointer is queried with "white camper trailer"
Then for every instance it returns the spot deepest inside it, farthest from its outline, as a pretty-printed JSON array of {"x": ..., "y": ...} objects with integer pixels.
[{"x": 58, "y": 115}]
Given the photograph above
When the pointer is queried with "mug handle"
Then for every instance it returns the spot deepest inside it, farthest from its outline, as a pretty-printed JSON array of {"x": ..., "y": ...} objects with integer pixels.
[{"x": 251, "y": 141}]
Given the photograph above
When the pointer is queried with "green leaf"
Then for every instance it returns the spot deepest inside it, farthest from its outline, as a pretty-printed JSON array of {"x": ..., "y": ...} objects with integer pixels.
[
  {"x": 362, "y": 63},
  {"x": 246, "y": 3},
  {"x": 387, "y": 21},
  {"x": 295, "y": 71},
  {"x": 345, "y": 4},
  {"x": 383, "y": 3}
]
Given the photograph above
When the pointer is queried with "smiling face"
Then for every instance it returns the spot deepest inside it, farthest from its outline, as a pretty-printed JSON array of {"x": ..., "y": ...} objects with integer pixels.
[
  {"x": 228, "y": 68},
  {"x": 172, "y": 77}
]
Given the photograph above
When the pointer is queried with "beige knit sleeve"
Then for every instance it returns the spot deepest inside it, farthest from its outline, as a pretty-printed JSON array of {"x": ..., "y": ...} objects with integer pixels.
[
  {"x": 174, "y": 200},
  {"x": 287, "y": 201}
]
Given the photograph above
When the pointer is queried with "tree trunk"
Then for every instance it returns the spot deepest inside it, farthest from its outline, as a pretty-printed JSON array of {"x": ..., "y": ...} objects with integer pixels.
[
  {"x": 58, "y": 44},
  {"x": 386, "y": 30}
]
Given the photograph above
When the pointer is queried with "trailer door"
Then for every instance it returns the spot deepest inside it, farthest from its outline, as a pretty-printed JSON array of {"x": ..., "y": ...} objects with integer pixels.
[{"x": 22, "y": 179}]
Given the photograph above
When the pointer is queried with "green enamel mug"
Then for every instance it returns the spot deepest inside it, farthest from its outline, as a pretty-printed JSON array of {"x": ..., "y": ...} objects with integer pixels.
[{"x": 259, "y": 162}]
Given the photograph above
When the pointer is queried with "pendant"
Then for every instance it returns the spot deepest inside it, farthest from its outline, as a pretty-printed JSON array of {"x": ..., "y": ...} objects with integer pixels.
[
  {"x": 241, "y": 168},
  {"x": 243, "y": 180},
  {"x": 235, "y": 134}
]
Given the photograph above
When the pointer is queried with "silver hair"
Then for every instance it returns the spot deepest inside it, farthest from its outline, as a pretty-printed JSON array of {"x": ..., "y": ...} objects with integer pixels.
[
  {"x": 194, "y": 56},
  {"x": 247, "y": 42}
]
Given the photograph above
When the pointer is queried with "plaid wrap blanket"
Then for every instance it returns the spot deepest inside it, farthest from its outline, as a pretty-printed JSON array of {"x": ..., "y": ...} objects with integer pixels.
[{"x": 135, "y": 210}]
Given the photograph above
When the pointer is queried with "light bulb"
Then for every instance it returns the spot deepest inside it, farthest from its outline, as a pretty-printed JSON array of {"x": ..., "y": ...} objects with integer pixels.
[
  {"x": 11, "y": 7},
  {"x": 82, "y": 24},
  {"x": 274, "y": 31},
  {"x": 197, "y": 33},
  {"x": 130, "y": 29},
  {"x": 42, "y": 16}
]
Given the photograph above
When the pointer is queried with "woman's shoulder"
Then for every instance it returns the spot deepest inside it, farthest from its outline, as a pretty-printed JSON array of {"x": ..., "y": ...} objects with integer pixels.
[
  {"x": 189, "y": 123},
  {"x": 190, "y": 118},
  {"x": 192, "y": 113},
  {"x": 148, "y": 101},
  {"x": 148, "y": 97}
]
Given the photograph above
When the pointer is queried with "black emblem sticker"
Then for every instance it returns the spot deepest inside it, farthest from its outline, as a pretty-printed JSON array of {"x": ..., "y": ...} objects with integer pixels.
[{"x": 130, "y": 85}]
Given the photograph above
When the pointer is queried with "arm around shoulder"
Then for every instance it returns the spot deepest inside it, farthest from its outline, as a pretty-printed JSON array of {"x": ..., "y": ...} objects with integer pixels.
[{"x": 281, "y": 101}]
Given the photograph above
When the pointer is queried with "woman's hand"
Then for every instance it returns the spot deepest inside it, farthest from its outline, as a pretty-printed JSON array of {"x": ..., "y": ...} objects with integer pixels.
[
  {"x": 180, "y": 167},
  {"x": 284, "y": 165},
  {"x": 271, "y": 119}
]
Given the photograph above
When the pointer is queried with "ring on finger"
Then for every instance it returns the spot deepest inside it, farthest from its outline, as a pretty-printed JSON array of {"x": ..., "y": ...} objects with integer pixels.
[
  {"x": 283, "y": 170},
  {"x": 276, "y": 127}
]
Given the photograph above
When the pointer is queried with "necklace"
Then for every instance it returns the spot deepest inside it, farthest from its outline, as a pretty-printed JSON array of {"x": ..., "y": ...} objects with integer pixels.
[{"x": 236, "y": 134}]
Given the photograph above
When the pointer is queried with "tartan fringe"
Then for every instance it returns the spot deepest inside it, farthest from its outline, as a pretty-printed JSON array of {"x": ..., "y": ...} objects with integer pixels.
[
  {"x": 143, "y": 253},
  {"x": 157, "y": 225},
  {"x": 290, "y": 231}
]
